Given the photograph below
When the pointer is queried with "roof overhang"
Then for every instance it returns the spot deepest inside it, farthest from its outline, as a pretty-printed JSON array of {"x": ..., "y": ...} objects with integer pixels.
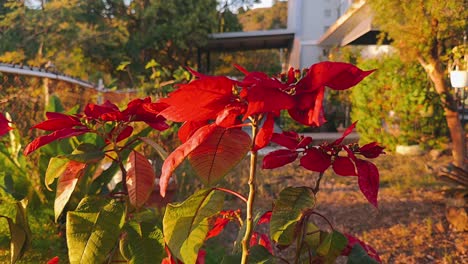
[
  {"x": 353, "y": 28},
  {"x": 252, "y": 40}
]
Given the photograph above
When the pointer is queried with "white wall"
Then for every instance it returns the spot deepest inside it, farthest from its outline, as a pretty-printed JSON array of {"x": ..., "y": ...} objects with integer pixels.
[{"x": 310, "y": 19}]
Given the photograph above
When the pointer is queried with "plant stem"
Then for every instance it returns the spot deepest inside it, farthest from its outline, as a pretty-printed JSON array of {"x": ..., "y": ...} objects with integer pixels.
[
  {"x": 317, "y": 184},
  {"x": 250, "y": 200},
  {"x": 238, "y": 195}
]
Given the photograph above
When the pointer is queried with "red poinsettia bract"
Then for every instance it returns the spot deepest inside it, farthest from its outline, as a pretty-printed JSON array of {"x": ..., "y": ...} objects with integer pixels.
[
  {"x": 217, "y": 101},
  {"x": 342, "y": 158},
  {"x": 66, "y": 126},
  {"x": 4, "y": 125}
]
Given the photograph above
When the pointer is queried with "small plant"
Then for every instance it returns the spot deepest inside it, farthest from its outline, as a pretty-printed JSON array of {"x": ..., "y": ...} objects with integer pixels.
[{"x": 213, "y": 109}]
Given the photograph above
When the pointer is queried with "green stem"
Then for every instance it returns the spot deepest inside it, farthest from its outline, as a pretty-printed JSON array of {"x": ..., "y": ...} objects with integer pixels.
[{"x": 250, "y": 200}]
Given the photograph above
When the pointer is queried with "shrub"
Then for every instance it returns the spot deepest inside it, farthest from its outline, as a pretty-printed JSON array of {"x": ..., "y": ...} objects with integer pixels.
[{"x": 397, "y": 105}]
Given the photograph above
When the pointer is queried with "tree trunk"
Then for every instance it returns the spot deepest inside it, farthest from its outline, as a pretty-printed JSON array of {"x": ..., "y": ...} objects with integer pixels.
[{"x": 457, "y": 133}]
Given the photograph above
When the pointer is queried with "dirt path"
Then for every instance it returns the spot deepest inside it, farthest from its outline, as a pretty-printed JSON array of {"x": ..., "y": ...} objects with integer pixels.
[{"x": 408, "y": 228}]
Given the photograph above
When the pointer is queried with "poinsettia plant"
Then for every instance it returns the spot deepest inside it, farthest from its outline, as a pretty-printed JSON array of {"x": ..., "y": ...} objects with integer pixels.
[
  {"x": 224, "y": 120},
  {"x": 106, "y": 217},
  {"x": 213, "y": 110}
]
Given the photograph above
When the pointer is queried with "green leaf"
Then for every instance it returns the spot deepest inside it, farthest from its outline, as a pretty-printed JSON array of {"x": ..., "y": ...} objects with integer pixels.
[
  {"x": 332, "y": 246},
  {"x": 234, "y": 259},
  {"x": 19, "y": 232},
  {"x": 185, "y": 224},
  {"x": 85, "y": 153},
  {"x": 140, "y": 179},
  {"x": 151, "y": 63},
  {"x": 160, "y": 150},
  {"x": 14, "y": 188},
  {"x": 55, "y": 105},
  {"x": 66, "y": 185},
  {"x": 142, "y": 243},
  {"x": 56, "y": 168},
  {"x": 288, "y": 211},
  {"x": 358, "y": 255},
  {"x": 123, "y": 65},
  {"x": 94, "y": 229},
  {"x": 259, "y": 254},
  {"x": 312, "y": 239}
]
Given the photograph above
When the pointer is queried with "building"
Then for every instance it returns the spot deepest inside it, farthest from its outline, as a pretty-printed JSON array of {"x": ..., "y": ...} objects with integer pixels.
[{"x": 314, "y": 26}]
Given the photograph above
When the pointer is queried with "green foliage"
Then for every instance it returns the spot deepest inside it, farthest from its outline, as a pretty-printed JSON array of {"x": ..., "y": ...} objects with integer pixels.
[
  {"x": 288, "y": 211},
  {"x": 397, "y": 105},
  {"x": 90, "y": 39},
  {"x": 422, "y": 29},
  {"x": 19, "y": 230},
  {"x": 186, "y": 224},
  {"x": 359, "y": 256},
  {"x": 93, "y": 229},
  {"x": 142, "y": 243},
  {"x": 331, "y": 246}
]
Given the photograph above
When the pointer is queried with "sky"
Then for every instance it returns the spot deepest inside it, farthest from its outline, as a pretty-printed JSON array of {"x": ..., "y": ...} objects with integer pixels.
[{"x": 264, "y": 3}]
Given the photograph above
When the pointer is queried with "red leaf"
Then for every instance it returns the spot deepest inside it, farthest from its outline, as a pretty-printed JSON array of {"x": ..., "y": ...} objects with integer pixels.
[
  {"x": 218, "y": 227},
  {"x": 254, "y": 239},
  {"x": 304, "y": 142},
  {"x": 4, "y": 125},
  {"x": 140, "y": 179},
  {"x": 54, "y": 260},
  {"x": 107, "y": 111},
  {"x": 59, "y": 134},
  {"x": 368, "y": 180},
  {"x": 263, "y": 99},
  {"x": 288, "y": 139},
  {"x": 265, "y": 218},
  {"x": 264, "y": 241},
  {"x": 218, "y": 153},
  {"x": 345, "y": 134},
  {"x": 241, "y": 69},
  {"x": 221, "y": 221},
  {"x": 353, "y": 241},
  {"x": 315, "y": 160},
  {"x": 144, "y": 110},
  {"x": 344, "y": 166},
  {"x": 336, "y": 75},
  {"x": 264, "y": 135},
  {"x": 371, "y": 150},
  {"x": 66, "y": 185},
  {"x": 126, "y": 132},
  {"x": 179, "y": 154},
  {"x": 188, "y": 128},
  {"x": 201, "y": 257},
  {"x": 59, "y": 121},
  {"x": 279, "y": 158},
  {"x": 312, "y": 116},
  {"x": 198, "y": 100},
  {"x": 228, "y": 117}
]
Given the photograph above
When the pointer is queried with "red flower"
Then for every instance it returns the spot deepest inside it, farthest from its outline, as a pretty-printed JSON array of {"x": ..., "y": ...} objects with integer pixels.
[{"x": 4, "y": 125}]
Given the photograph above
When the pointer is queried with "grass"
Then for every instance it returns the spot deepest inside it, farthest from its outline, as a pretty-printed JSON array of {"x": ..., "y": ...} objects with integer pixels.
[{"x": 46, "y": 242}]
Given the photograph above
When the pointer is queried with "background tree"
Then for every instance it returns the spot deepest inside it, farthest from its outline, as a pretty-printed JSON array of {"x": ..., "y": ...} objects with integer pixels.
[
  {"x": 424, "y": 30},
  {"x": 90, "y": 39}
]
